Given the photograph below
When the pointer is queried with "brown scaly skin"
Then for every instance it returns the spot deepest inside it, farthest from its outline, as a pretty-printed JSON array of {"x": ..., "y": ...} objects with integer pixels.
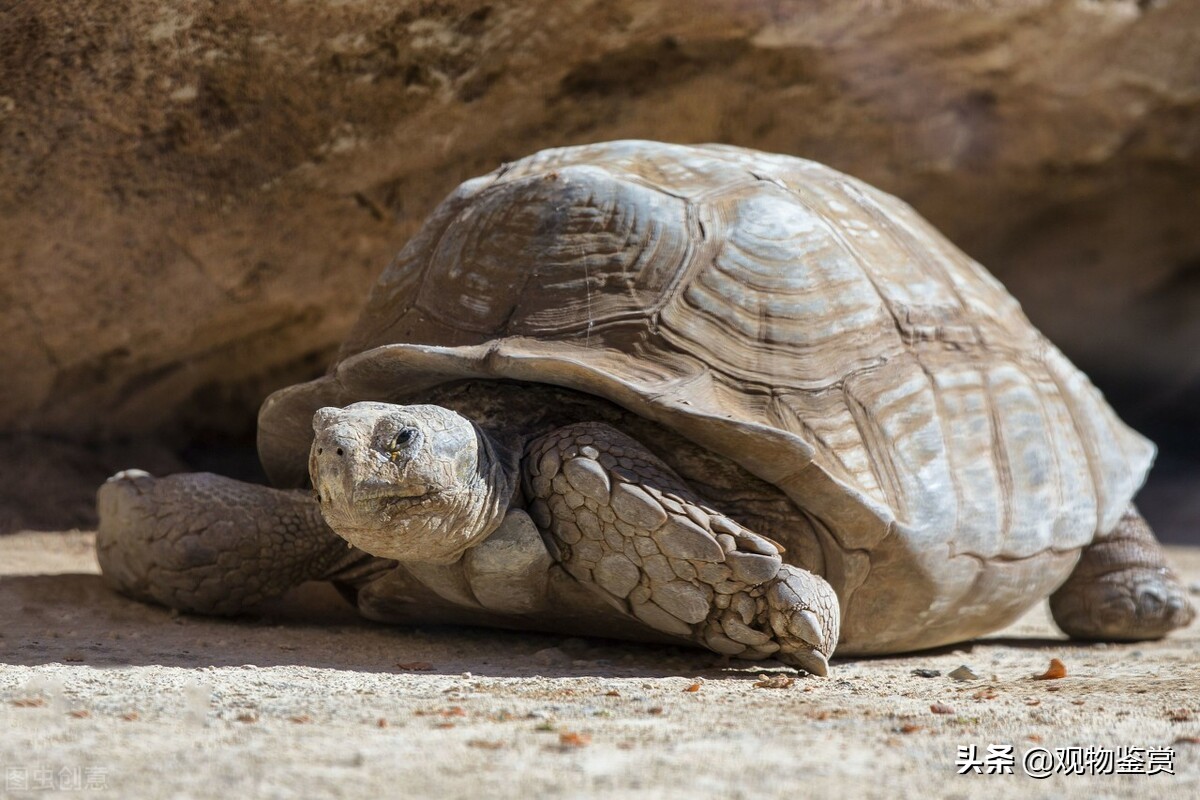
[
  {"x": 1122, "y": 589},
  {"x": 212, "y": 545}
]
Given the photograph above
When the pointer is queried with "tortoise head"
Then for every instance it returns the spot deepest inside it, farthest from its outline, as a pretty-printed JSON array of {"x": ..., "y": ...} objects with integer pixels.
[{"x": 413, "y": 483}]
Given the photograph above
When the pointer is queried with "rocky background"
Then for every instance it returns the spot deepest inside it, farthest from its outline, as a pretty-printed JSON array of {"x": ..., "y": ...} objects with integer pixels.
[{"x": 196, "y": 196}]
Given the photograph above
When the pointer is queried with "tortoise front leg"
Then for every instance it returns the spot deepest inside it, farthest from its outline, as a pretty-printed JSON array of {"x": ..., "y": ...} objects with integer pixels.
[
  {"x": 1122, "y": 588},
  {"x": 211, "y": 545},
  {"x": 628, "y": 527}
]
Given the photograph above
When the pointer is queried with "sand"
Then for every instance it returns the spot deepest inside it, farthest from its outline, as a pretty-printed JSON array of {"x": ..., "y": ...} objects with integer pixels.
[{"x": 104, "y": 697}]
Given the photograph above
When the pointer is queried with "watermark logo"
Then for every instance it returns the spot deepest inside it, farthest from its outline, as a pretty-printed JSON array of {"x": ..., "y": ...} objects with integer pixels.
[
  {"x": 1042, "y": 762},
  {"x": 55, "y": 778}
]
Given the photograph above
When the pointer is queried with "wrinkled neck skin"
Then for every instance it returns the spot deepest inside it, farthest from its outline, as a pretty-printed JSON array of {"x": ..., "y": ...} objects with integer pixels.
[
  {"x": 471, "y": 512},
  {"x": 428, "y": 500}
]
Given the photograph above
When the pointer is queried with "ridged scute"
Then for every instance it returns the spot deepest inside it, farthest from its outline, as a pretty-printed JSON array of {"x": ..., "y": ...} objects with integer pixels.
[{"x": 794, "y": 319}]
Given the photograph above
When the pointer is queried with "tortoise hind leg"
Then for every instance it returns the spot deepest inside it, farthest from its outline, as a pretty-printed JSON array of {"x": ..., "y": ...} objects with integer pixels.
[
  {"x": 1122, "y": 588},
  {"x": 211, "y": 545},
  {"x": 629, "y": 529}
]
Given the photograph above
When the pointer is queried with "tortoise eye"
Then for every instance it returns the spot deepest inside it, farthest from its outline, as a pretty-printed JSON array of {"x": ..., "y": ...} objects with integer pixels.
[{"x": 403, "y": 437}]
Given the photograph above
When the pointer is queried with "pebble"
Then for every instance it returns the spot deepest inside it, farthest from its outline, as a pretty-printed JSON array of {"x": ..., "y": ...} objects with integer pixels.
[
  {"x": 927, "y": 673},
  {"x": 963, "y": 673}
]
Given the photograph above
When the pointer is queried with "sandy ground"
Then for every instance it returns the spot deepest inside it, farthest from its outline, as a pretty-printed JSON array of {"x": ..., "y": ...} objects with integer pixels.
[{"x": 305, "y": 700}]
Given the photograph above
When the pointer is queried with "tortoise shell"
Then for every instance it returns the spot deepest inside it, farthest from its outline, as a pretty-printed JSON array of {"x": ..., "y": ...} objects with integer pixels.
[{"x": 809, "y": 327}]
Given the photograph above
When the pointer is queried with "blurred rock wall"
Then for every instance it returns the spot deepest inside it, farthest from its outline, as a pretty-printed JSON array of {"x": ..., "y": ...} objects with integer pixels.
[{"x": 196, "y": 196}]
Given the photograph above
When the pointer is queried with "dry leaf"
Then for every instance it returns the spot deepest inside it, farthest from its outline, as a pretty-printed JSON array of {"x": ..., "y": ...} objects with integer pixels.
[
  {"x": 774, "y": 682},
  {"x": 573, "y": 739},
  {"x": 941, "y": 708},
  {"x": 301, "y": 719},
  {"x": 1055, "y": 671},
  {"x": 985, "y": 694},
  {"x": 656, "y": 710},
  {"x": 1179, "y": 715},
  {"x": 81, "y": 713},
  {"x": 381, "y": 723},
  {"x": 131, "y": 716},
  {"x": 695, "y": 687},
  {"x": 444, "y": 725},
  {"x": 247, "y": 718},
  {"x": 612, "y": 693},
  {"x": 1187, "y": 740},
  {"x": 454, "y": 711},
  {"x": 1033, "y": 737},
  {"x": 911, "y": 728}
]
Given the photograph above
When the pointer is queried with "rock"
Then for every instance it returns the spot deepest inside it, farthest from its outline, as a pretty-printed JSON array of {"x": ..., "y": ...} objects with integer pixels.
[
  {"x": 927, "y": 673},
  {"x": 963, "y": 673},
  {"x": 194, "y": 206}
]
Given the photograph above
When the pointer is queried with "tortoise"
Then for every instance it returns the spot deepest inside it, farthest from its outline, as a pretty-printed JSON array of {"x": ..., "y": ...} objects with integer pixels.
[{"x": 681, "y": 394}]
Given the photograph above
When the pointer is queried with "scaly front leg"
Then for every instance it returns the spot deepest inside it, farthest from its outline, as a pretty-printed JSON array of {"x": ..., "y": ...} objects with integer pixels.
[{"x": 629, "y": 528}]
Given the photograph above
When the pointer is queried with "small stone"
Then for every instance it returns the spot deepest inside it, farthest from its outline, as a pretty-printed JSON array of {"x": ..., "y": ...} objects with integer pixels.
[
  {"x": 963, "y": 673},
  {"x": 589, "y": 478},
  {"x": 927, "y": 673},
  {"x": 632, "y": 504}
]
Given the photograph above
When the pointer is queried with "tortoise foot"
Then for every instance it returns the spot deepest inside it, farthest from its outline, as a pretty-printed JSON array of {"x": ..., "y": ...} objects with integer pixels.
[{"x": 1122, "y": 589}]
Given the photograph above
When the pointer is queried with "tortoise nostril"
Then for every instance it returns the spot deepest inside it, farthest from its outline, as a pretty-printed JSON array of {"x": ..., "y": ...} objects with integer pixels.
[
  {"x": 339, "y": 451},
  {"x": 320, "y": 450}
]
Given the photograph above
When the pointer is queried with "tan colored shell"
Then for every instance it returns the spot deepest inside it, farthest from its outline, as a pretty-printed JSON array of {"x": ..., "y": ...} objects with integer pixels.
[{"x": 796, "y": 320}]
